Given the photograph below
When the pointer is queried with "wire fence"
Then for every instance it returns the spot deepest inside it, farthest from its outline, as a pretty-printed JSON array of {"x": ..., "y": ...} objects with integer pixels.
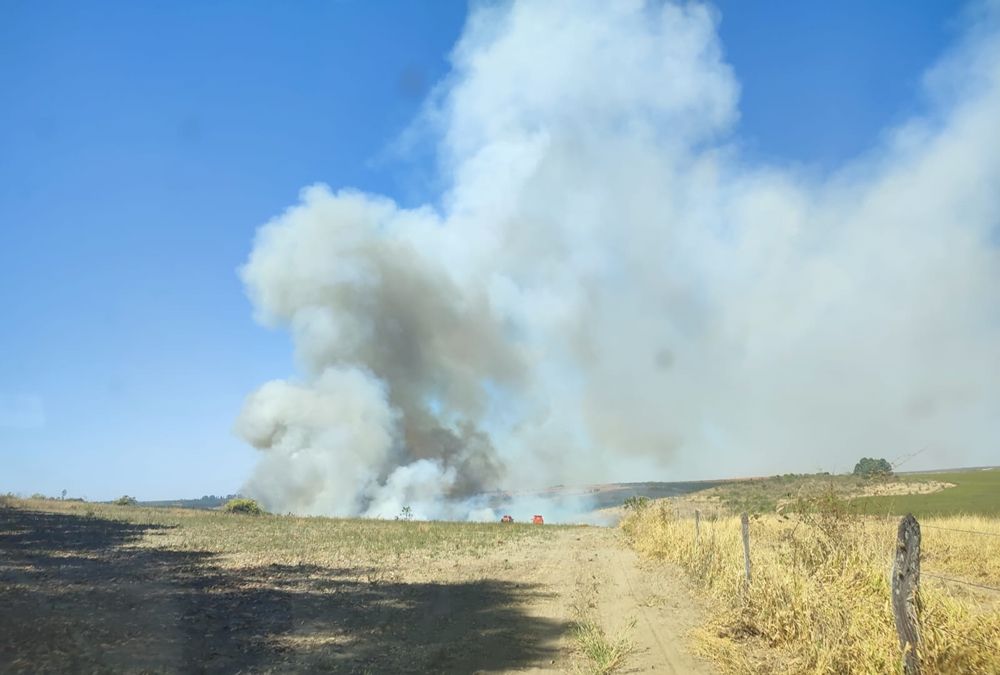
[
  {"x": 952, "y": 634},
  {"x": 960, "y": 581},
  {"x": 702, "y": 518},
  {"x": 953, "y": 580},
  {"x": 955, "y": 529},
  {"x": 968, "y": 638}
]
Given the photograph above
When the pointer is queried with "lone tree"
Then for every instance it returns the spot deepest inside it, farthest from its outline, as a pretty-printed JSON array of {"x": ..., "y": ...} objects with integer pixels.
[{"x": 870, "y": 467}]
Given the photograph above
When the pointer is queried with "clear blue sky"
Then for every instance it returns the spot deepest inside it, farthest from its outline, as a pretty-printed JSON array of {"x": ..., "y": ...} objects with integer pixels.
[{"x": 142, "y": 143}]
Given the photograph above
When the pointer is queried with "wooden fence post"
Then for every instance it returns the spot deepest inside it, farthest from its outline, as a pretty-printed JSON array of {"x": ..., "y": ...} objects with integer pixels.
[
  {"x": 697, "y": 528},
  {"x": 906, "y": 592},
  {"x": 745, "y": 522}
]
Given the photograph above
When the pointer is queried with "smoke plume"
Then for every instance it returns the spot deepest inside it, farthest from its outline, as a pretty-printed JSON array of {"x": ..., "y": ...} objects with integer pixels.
[{"x": 607, "y": 289}]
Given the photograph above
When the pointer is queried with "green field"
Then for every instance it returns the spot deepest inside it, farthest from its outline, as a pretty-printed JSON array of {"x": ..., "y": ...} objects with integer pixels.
[{"x": 976, "y": 492}]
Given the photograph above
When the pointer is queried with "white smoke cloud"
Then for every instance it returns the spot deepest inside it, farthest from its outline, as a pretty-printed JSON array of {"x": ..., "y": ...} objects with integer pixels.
[{"x": 607, "y": 290}]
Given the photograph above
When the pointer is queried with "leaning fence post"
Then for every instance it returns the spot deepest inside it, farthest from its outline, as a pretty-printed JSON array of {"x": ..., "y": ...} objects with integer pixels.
[
  {"x": 906, "y": 592},
  {"x": 697, "y": 528},
  {"x": 745, "y": 523}
]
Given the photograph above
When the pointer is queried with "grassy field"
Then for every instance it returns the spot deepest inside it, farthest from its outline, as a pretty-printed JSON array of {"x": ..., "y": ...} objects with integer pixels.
[
  {"x": 766, "y": 495},
  {"x": 819, "y": 597},
  {"x": 104, "y": 588},
  {"x": 237, "y": 540},
  {"x": 962, "y": 492},
  {"x": 975, "y": 492}
]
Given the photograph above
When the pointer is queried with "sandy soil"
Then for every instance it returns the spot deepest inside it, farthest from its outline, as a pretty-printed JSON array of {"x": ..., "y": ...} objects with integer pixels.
[
  {"x": 77, "y": 595},
  {"x": 590, "y": 570},
  {"x": 895, "y": 488}
]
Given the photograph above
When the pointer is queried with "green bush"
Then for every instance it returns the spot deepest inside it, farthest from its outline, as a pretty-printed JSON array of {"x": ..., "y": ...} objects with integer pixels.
[
  {"x": 870, "y": 467},
  {"x": 245, "y": 506},
  {"x": 125, "y": 500},
  {"x": 636, "y": 503}
]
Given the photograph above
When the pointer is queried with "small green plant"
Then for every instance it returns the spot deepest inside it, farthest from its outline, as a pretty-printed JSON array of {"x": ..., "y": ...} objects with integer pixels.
[
  {"x": 636, "y": 503},
  {"x": 405, "y": 514},
  {"x": 604, "y": 654},
  {"x": 125, "y": 500},
  {"x": 245, "y": 506}
]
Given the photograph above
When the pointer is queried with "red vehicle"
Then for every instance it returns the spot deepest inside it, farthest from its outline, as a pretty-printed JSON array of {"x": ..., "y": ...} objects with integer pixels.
[
  {"x": 538, "y": 520},
  {"x": 506, "y": 519}
]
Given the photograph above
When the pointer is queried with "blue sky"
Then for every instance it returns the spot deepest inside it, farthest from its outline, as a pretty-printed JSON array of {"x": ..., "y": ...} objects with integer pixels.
[{"x": 141, "y": 145}]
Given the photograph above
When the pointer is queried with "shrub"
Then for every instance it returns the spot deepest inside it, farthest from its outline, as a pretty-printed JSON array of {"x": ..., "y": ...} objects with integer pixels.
[
  {"x": 125, "y": 500},
  {"x": 636, "y": 503},
  {"x": 245, "y": 506}
]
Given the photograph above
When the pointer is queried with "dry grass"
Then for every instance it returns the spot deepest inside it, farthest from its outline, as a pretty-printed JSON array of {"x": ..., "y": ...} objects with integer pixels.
[
  {"x": 951, "y": 548},
  {"x": 245, "y": 540},
  {"x": 819, "y": 601},
  {"x": 105, "y": 588},
  {"x": 604, "y": 653}
]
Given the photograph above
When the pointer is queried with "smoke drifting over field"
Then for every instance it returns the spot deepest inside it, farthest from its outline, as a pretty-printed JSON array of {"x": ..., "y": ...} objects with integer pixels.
[{"x": 608, "y": 290}]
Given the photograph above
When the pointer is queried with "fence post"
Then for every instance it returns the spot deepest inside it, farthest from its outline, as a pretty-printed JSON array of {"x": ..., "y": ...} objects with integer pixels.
[
  {"x": 697, "y": 528},
  {"x": 745, "y": 523},
  {"x": 906, "y": 592}
]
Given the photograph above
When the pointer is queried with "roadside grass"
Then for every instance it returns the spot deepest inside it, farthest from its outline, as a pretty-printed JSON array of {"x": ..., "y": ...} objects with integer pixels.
[
  {"x": 604, "y": 653},
  {"x": 247, "y": 540},
  {"x": 820, "y": 593},
  {"x": 976, "y": 492}
]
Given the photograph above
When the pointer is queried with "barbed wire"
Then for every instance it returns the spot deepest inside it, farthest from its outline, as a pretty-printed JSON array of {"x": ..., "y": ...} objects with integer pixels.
[
  {"x": 955, "y": 529},
  {"x": 960, "y": 581},
  {"x": 966, "y": 637}
]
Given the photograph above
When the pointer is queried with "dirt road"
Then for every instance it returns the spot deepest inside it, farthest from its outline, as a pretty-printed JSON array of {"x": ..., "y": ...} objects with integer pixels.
[{"x": 590, "y": 570}]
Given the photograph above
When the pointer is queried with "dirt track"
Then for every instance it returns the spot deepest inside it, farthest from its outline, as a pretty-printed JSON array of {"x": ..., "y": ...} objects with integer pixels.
[
  {"x": 78, "y": 595},
  {"x": 590, "y": 569}
]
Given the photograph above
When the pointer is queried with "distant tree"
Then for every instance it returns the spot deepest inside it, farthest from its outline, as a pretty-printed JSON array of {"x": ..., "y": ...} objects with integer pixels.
[
  {"x": 125, "y": 500},
  {"x": 244, "y": 506},
  {"x": 64, "y": 494},
  {"x": 869, "y": 467}
]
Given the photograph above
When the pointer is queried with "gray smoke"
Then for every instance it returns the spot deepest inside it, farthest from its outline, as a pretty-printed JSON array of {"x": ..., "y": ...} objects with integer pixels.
[{"x": 607, "y": 290}]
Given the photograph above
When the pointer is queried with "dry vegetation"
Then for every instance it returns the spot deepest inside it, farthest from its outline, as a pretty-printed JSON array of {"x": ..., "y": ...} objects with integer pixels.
[
  {"x": 238, "y": 540},
  {"x": 107, "y": 588},
  {"x": 819, "y": 598},
  {"x": 603, "y": 653},
  {"x": 780, "y": 493}
]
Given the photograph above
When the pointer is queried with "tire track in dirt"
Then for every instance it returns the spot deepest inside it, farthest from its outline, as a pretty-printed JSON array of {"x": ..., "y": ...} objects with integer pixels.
[
  {"x": 592, "y": 570},
  {"x": 660, "y": 634}
]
